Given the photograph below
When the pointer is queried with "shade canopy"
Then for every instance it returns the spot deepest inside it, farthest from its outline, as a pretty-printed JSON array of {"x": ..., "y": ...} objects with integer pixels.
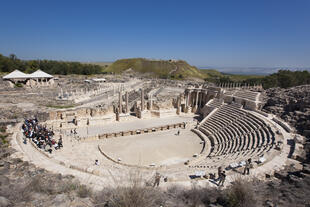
[
  {"x": 39, "y": 74},
  {"x": 16, "y": 74}
]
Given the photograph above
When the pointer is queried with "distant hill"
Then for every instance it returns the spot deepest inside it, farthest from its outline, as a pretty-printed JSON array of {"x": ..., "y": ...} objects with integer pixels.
[{"x": 175, "y": 69}]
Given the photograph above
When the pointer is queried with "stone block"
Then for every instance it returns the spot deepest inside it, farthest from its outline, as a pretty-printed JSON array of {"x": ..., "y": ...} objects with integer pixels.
[
  {"x": 109, "y": 135},
  {"x": 306, "y": 169},
  {"x": 281, "y": 175}
]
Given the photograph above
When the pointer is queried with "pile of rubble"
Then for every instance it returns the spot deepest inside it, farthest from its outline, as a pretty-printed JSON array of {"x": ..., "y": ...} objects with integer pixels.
[{"x": 292, "y": 105}]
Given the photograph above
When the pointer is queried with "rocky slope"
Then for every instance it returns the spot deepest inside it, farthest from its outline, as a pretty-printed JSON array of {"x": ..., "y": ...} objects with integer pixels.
[{"x": 292, "y": 105}]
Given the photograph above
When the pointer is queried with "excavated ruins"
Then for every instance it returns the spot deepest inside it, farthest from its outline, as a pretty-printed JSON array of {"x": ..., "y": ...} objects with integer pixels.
[{"x": 183, "y": 131}]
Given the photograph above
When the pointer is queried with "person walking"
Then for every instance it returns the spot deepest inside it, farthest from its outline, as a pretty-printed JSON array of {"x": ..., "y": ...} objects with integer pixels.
[
  {"x": 219, "y": 171},
  {"x": 222, "y": 179},
  {"x": 157, "y": 179},
  {"x": 248, "y": 165}
]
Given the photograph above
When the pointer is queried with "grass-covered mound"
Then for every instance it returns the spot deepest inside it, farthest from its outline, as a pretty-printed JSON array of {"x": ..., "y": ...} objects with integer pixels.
[{"x": 158, "y": 68}]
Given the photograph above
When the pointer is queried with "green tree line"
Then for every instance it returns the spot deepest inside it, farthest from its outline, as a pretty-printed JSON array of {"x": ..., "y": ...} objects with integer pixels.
[
  {"x": 282, "y": 79},
  {"x": 11, "y": 63}
]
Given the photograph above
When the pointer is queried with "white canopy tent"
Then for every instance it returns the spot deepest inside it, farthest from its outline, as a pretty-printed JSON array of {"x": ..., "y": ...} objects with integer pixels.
[
  {"x": 36, "y": 78},
  {"x": 40, "y": 74},
  {"x": 16, "y": 74}
]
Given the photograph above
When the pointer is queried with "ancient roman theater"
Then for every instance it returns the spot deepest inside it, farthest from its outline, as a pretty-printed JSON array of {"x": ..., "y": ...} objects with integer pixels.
[{"x": 183, "y": 133}]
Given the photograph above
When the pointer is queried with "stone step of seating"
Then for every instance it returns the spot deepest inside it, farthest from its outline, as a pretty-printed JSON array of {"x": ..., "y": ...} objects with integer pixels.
[
  {"x": 239, "y": 141},
  {"x": 260, "y": 138},
  {"x": 215, "y": 104},
  {"x": 257, "y": 119},
  {"x": 237, "y": 134},
  {"x": 265, "y": 134},
  {"x": 218, "y": 145},
  {"x": 254, "y": 122},
  {"x": 244, "y": 139},
  {"x": 210, "y": 128},
  {"x": 217, "y": 125},
  {"x": 237, "y": 128},
  {"x": 224, "y": 120},
  {"x": 246, "y": 95},
  {"x": 244, "y": 126},
  {"x": 224, "y": 141}
]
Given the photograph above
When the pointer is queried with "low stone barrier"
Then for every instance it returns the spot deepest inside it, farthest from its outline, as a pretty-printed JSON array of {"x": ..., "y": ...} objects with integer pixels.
[
  {"x": 282, "y": 124},
  {"x": 135, "y": 132},
  {"x": 202, "y": 139},
  {"x": 262, "y": 113}
]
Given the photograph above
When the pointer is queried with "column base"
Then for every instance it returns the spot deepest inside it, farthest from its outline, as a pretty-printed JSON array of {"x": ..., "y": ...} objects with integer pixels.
[
  {"x": 186, "y": 109},
  {"x": 178, "y": 111}
]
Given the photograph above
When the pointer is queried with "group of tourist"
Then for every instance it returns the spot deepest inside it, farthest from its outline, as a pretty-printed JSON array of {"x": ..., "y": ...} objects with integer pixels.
[
  {"x": 40, "y": 135},
  {"x": 222, "y": 174}
]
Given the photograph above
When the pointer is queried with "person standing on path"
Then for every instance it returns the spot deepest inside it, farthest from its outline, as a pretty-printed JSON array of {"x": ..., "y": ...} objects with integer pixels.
[
  {"x": 219, "y": 171},
  {"x": 222, "y": 179},
  {"x": 248, "y": 165},
  {"x": 157, "y": 179}
]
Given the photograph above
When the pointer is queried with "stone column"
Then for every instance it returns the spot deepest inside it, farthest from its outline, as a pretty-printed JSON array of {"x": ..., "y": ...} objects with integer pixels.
[
  {"x": 139, "y": 113},
  {"x": 142, "y": 100},
  {"x": 151, "y": 102},
  {"x": 186, "y": 99},
  {"x": 117, "y": 116},
  {"x": 194, "y": 109},
  {"x": 197, "y": 98},
  {"x": 200, "y": 100},
  {"x": 120, "y": 103},
  {"x": 126, "y": 97},
  {"x": 178, "y": 104}
]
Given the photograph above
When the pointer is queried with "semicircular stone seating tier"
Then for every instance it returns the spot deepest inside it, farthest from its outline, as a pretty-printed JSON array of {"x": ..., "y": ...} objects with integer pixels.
[{"x": 234, "y": 132}]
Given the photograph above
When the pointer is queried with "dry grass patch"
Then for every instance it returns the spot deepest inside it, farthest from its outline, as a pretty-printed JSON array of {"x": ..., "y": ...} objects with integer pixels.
[{"x": 241, "y": 194}]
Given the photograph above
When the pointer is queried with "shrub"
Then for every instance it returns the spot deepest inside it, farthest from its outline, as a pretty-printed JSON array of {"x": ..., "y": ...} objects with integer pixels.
[
  {"x": 69, "y": 186},
  {"x": 134, "y": 194},
  {"x": 83, "y": 191},
  {"x": 241, "y": 194},
  {"x": 18, "y": 85}
]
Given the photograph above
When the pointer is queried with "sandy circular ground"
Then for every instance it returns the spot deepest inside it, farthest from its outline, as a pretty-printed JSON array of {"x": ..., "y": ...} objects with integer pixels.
[{"x": 159, "y": 148}]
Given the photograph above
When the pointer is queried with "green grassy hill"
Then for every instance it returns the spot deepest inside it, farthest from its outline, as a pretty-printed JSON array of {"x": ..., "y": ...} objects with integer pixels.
[{"x": 158, "y": 68}]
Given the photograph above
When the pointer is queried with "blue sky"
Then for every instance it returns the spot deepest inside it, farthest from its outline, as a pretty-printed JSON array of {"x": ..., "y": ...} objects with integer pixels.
[{"x": 244, "y": 33}]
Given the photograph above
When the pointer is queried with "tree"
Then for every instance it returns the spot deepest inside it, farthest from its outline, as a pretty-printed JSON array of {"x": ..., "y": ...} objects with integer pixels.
[{"x": 13, "y": 57}]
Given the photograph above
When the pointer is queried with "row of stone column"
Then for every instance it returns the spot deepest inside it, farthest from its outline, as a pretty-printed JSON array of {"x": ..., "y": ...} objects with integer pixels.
[
  {"x": 139, "y": 109},
  {"x": 120, "y": 102},
  {"x": 240, "y": 85},
  {"x": 83, "y": 92},
  {"x": 194, "y": 99}
]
